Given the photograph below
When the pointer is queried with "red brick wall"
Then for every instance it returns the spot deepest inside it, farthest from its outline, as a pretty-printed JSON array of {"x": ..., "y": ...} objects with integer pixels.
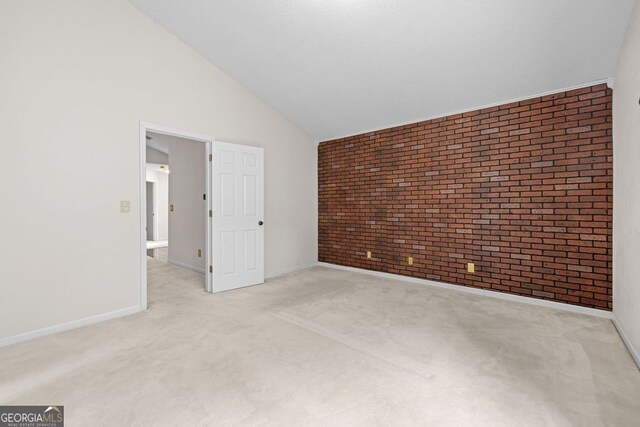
[{"x": 523, "y": 190}]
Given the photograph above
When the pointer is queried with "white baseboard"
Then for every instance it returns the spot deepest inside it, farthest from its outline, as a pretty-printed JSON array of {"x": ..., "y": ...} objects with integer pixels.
[
  {"x": 113, "y": 314},
  {"x": 267, "y": 276},
  {"x": 625, "y": 339},
  {"x": 68, "y": 326},
  {"x": 289, "y": 270},
  {"x": 187, "y": 266},
  {"x": 493, "y": 294}
]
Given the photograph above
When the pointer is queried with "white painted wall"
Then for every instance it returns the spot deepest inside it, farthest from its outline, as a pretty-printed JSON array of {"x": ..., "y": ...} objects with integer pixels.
[
  {"x": 187, "y": 222},
  {"x": 626, "y": 187},
  {"x": 162, "y": 179},
  {"x": 77, "y": 77}
]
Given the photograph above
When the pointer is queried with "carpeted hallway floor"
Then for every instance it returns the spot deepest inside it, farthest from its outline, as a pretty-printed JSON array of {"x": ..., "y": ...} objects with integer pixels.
[{"x": 328, "y": 347}]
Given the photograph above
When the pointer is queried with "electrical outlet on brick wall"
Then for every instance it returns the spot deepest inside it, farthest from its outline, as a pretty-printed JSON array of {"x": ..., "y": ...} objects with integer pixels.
[{"x": 525, "y": 187}]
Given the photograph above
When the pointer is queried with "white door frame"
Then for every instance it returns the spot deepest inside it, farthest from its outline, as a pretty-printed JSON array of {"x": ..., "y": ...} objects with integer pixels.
[{"x": 208, "y": 141}]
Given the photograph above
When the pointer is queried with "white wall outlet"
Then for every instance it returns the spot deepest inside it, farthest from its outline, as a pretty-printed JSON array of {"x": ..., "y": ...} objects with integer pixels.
[{"x": 125, "y": 206}]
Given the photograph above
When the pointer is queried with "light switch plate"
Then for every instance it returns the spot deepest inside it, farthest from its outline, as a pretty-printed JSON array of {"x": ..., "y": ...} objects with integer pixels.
[{"x": 125, "y": 206}]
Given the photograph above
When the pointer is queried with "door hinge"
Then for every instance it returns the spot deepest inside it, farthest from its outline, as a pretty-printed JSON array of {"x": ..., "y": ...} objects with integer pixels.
[
  {"x": 210, "y": 213},
  {"x": 204, "y": 196},
  {"x": 210, "y": 157},
  {"x": 211, "y": 269}
]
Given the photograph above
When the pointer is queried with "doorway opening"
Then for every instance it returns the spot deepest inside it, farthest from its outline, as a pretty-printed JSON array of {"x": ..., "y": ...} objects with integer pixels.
[
  {"x": 214, "y": 208},
  {"x": 175, "y": 177}
]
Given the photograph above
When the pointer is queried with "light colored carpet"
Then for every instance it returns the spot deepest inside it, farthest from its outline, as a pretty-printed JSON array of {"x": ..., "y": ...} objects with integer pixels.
[{"x": 328, "y": 347}]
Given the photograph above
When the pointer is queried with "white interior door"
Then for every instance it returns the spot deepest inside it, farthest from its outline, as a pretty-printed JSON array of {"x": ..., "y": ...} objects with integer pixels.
[{"x": 237, "y": 216}]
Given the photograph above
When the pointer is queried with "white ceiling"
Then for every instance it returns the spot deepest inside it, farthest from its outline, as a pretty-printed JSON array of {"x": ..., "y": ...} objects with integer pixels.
[
  {"x": 158, "y": 142},
  {"x": 341, "y": 67}
]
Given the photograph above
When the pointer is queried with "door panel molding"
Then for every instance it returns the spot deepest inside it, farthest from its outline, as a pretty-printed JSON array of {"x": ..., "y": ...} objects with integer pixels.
[{"x": 238, "y": 216}]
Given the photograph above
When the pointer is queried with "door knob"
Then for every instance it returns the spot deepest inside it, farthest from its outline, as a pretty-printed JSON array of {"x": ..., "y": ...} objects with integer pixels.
[{"x": 260, "y": 222}]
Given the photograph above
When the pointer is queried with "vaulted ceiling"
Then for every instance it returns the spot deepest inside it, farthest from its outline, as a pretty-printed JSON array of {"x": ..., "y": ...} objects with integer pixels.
[{"x": 341, "y": 67}]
